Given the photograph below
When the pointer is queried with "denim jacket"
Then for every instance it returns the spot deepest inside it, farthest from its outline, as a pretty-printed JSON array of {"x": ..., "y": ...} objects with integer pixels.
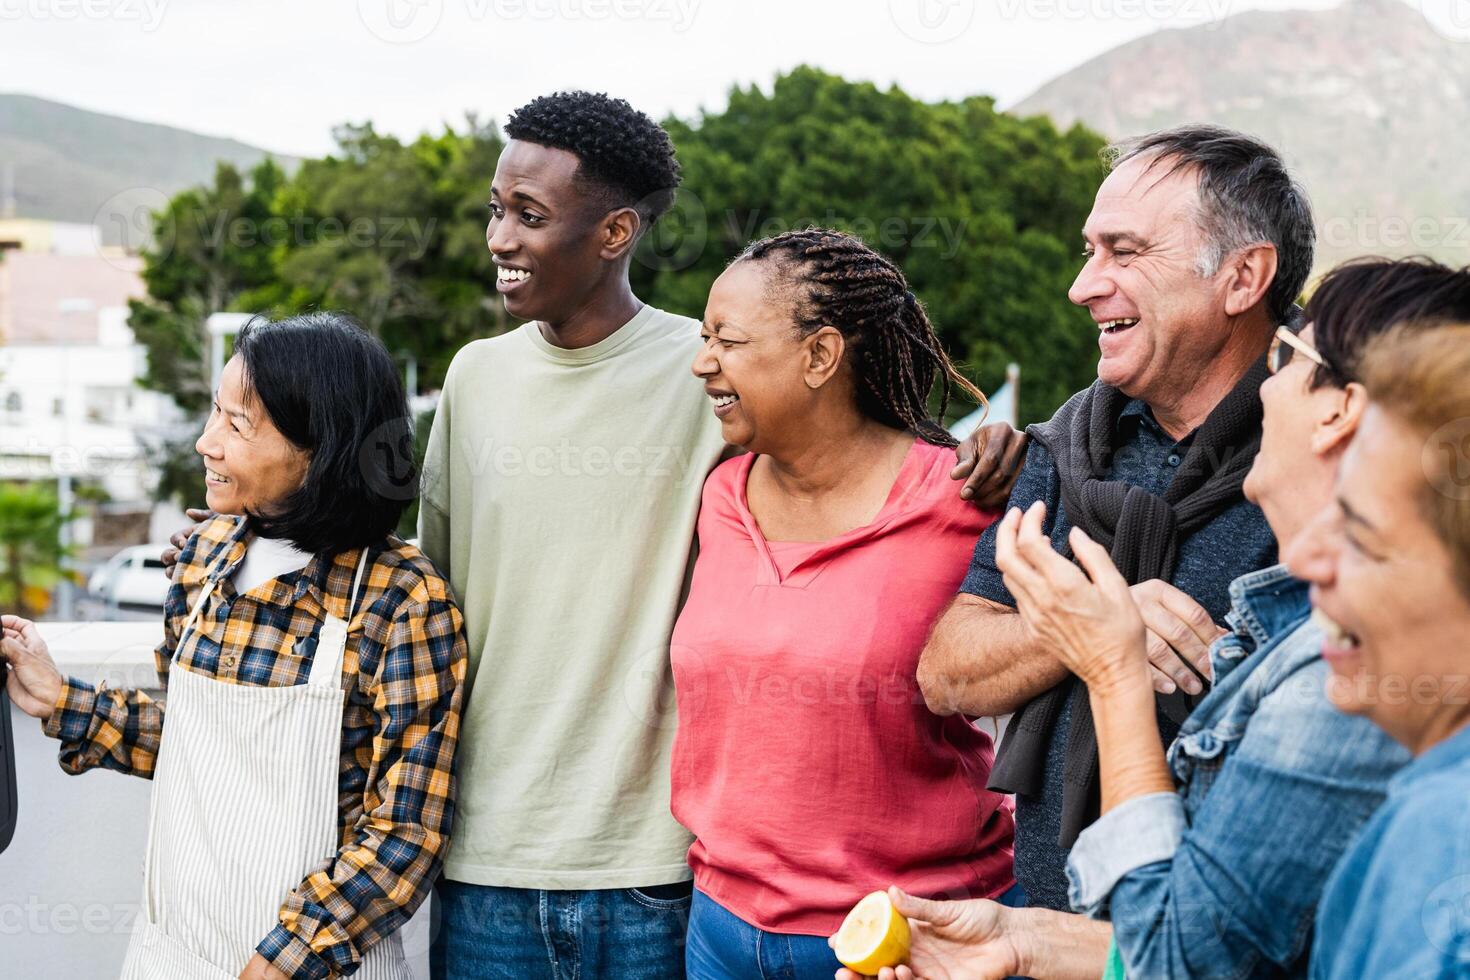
[
  {"x": 1221, "y": 879},
  {"x": 1398, "y": 905}
]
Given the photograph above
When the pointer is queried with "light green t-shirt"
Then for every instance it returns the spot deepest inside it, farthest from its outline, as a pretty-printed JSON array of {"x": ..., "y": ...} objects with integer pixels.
[{"x": 561, "y": 489}]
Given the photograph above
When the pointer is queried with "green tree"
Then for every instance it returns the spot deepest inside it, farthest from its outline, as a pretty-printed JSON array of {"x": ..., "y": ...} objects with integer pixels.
[
  {"x": 982, "y": 210},
  {"x": 30, "y": 547},
  {"x": 395, "y": 234}
]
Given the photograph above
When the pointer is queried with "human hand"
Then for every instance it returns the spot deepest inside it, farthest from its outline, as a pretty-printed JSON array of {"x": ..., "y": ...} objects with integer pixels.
[
  {"x": 989, "y": 461},
  {"x": 180, "y": 538},
  {"x": 33, "y": 682},
  {"x": 260, "y": 968},
  {"x": 1180, "y": 634},
  {"x": 1086, "y": 615},
  {"x": 961, "y": 940}
]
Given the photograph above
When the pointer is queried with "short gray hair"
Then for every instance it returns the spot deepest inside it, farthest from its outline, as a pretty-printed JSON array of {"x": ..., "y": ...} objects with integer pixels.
[{"x": 1247, "y": 196}]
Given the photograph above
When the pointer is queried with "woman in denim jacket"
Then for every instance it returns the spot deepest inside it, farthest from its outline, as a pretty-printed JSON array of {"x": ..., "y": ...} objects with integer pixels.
[{"x": 1209, "y": 864}]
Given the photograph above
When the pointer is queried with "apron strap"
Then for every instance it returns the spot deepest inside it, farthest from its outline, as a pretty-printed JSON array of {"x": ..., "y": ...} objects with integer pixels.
[
  {"x": 326, "y": 662},
  {"x": 204, "y": 595}
]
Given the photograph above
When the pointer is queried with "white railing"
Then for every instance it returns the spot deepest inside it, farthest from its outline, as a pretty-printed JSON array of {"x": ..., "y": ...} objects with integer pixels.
[{"x": 71, "y": 879}]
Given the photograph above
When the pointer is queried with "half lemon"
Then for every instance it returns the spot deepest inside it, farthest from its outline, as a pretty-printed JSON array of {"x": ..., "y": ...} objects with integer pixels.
[{"x": 873, "y": 936}]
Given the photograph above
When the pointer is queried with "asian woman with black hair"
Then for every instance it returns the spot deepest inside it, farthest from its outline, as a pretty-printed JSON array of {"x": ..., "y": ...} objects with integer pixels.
[{"x": 313, "y": 663}]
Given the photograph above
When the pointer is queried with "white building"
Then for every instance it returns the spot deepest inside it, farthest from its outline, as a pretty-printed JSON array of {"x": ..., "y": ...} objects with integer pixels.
[{"x": 70, "y": 404}]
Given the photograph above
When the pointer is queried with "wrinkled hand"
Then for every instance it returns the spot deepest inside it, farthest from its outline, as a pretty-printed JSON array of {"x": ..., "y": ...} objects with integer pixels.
[
  {"x": 989, "y": 462},
  {"x": 260, "y": 968},
  {"x": 1180, "y": 634},
  {"x": 33, "y": 682},
  {"x": 964, "y": 940},
  {"x": 1093, "y": 626},
  {"x": 176, "y": 543}
]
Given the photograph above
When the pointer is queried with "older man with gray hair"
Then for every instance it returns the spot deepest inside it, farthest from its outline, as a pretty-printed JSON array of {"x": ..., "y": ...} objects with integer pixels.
[{"x": 1197, "y": 246}]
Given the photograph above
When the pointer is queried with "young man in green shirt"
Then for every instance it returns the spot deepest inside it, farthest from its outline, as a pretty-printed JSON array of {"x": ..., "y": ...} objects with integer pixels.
[{"x": 561, "y": 487}]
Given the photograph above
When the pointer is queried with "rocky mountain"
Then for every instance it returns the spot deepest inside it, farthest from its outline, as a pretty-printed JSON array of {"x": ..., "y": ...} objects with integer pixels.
[{"x": 1369, "y": 102}]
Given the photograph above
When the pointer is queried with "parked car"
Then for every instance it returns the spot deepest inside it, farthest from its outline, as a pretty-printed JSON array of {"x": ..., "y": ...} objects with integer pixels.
[{"x": 132, "y": 578}]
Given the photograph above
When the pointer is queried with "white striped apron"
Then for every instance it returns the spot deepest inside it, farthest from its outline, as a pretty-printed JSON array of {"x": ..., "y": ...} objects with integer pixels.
[{"x": 244, "y": 808}]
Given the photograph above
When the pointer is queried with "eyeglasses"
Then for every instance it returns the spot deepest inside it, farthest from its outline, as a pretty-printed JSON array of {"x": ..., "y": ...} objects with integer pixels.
[{"x": 1286, "y": 343}]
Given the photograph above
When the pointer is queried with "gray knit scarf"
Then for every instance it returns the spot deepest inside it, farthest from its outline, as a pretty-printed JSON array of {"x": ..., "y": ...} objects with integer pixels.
[{"x": 1143, "y": 532}]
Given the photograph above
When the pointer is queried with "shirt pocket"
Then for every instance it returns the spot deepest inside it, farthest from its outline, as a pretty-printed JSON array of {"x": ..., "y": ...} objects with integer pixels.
[{"x": 1197, "y": 759}]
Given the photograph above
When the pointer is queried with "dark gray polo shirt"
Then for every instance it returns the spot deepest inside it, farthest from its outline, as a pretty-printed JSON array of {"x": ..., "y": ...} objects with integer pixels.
[{"x": 1235, "y": 542}]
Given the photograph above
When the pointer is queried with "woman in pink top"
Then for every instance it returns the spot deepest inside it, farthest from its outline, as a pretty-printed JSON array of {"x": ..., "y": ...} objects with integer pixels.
[{"x": 806, "y": 763}]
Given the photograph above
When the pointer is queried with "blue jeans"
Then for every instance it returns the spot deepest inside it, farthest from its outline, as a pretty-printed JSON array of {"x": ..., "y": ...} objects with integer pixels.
[
  {"x": 526, "y": 934},
  {"x": 723, "y": 946}
]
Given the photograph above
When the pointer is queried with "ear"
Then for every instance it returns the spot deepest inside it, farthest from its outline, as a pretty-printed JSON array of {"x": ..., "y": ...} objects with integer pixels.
[
  {"x": 823, "y": 353},
  {"x": 1251, "y": 271},
  {"x": 619, "y": 233},
  {"x": 1333, "y": 433}
]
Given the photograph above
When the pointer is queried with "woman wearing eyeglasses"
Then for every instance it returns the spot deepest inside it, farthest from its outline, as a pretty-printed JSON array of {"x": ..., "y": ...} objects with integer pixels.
[{"x": 1210, "y": 862}]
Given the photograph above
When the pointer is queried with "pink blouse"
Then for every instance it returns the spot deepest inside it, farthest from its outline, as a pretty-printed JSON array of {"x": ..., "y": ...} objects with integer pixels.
[{"x": 806, "y": 763}]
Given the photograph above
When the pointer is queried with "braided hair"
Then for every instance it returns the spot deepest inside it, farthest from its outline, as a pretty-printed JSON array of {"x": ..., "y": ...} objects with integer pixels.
[{"x": 836, "y": 280}]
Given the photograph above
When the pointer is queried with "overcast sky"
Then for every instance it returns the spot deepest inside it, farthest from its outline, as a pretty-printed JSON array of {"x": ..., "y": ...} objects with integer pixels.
[{"x": 281, "y": 73}]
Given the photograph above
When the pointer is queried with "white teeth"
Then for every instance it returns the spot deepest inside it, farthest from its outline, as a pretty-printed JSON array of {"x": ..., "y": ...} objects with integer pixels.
[
  {"x": 722, "y": 400},
  {"x": 511, "y": 275},
  {"x": 1333, "y": 631},
  {"x": 1111, "y": 324},
  {"x": 215, "y": 476}
]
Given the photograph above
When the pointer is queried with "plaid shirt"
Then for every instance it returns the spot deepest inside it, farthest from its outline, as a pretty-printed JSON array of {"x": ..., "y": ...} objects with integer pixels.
[{"x": 404, "y": 679}]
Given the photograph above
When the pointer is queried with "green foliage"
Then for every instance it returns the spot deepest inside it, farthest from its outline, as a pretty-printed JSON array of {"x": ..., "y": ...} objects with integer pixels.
[
  {"x": 30, "y": 547},
  {"x": 982, "y": 210}
]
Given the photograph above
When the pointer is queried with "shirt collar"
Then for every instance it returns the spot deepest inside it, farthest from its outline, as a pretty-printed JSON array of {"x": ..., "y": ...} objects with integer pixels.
[
  {"x": 1270, "y": 601},
  {"x": 1449, "y": 754},
  {"x": 228, "y": 554},
  {"x": 312, "y": 579}
]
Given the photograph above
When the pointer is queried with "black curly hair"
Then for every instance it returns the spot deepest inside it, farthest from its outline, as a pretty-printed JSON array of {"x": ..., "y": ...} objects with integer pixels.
[
  {"x": 624, "y": 155},
  {"x": 833, "y": 279}
]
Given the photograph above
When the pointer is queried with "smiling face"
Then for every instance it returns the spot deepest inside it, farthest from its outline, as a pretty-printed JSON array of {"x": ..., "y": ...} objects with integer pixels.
[
  {"x": 547, "y": 233},
  {"x": 249, "y": 466},
  {"x": 757, "y": 369},
  {"x": 1384, "y": 590},
  {"x": 1160, "y": 322},
  {"x": 1302, "y": 433}
]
